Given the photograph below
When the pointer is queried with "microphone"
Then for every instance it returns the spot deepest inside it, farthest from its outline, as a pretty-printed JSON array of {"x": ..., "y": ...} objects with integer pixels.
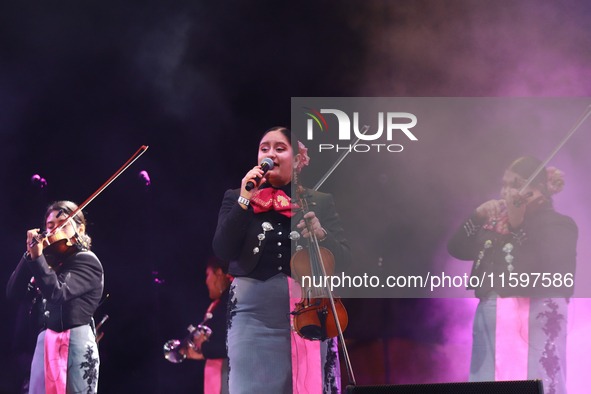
[{"x": 266, "y": 165}]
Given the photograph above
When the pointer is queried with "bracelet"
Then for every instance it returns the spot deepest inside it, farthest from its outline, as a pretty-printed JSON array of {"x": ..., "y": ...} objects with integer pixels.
[{"x": 243, "y": 200}]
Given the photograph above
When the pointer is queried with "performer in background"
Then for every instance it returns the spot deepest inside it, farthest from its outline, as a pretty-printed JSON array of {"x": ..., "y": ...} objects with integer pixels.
[
  {"x": 213, "y": 351},
  {"x": 68, "y": 293},
  {"x": 519, "y": 331},
  {"x": 255, "y": 233}
]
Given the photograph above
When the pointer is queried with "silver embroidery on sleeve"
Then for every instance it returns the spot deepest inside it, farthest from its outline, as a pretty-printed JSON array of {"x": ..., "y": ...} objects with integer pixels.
[{"x": 470, "y": 228}]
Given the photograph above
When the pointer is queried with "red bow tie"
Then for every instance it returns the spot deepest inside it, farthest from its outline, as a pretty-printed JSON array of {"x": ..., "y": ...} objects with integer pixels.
[{"x": 266, "y": 199}]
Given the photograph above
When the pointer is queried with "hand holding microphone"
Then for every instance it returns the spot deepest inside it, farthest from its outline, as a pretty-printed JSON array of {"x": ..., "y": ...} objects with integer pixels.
[
  {"x": 252, "y": 180},
  {"x": 266, "y": 165}
]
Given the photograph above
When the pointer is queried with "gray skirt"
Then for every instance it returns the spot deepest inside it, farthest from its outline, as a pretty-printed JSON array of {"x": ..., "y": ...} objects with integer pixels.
[
  {"x": 542, "y": 335},
  {"x": 260, "y": 350},
  {"x": 82, "y": 363}
]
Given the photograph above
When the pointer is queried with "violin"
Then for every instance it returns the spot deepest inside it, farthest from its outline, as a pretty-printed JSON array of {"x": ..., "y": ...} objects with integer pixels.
[
  {"x": 58, "y": 246},
  {"x": 318, "y": 315},
  {"x": 524, "y": 198}
]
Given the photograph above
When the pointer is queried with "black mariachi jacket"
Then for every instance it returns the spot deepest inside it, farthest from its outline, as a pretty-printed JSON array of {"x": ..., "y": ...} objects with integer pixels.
[
  {"x": 69, "y": 295},
  {"x": 237, "y": 230},
  {"x": 545, "y": 244}
]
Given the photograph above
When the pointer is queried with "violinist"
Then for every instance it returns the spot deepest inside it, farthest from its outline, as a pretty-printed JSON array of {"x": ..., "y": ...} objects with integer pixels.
[
  {"x": 67, "y": 293},
  {"x": 257, "y": 230},
  {"x": 519, "y": 331}
]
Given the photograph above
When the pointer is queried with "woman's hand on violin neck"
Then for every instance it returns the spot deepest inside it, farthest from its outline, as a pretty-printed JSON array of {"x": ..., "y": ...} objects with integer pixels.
[
  {"x": 516, "y": 213},
  {"x": 314, "y": 225},
  {"x": 35, "y": 250}
]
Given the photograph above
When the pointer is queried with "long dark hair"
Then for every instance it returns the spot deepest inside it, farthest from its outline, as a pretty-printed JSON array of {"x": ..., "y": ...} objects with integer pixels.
[{"x": 68, "y": 207}]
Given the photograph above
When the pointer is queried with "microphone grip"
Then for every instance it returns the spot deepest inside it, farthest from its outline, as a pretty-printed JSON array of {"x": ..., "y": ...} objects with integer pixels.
[
  {"x": 266, "y": 165},
  {"x": 251, "y": 184}
]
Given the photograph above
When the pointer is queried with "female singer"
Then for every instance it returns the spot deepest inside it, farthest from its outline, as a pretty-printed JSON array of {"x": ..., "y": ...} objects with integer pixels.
[
  {"x": 519, "y": 331},
  {"x": 256, "y": 232},
  {"x": 66, "y": 357}
]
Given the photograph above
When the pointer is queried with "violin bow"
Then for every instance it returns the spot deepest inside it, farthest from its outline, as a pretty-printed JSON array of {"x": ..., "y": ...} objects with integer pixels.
[
  {"x": 566, "y": 137},
  {"x": 125, "y": 166},
  {"x": 315, "y": 241},
  {"x": 336, "y": 164}
]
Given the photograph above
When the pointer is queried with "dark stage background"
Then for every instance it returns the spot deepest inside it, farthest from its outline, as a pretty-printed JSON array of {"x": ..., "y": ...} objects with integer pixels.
[{"x": 84, "y": 84}]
